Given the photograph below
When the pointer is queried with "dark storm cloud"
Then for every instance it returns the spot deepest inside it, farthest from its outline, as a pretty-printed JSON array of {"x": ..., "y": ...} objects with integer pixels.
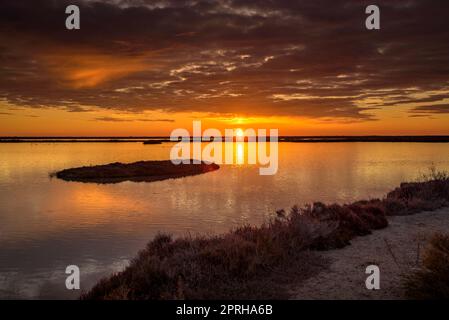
[
  {"x": 306, "y": 58},
  {"x": 432, "y": 109}
]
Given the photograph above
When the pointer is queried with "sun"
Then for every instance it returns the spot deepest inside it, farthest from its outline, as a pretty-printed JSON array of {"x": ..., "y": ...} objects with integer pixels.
[{"x": 238, "y": 133}]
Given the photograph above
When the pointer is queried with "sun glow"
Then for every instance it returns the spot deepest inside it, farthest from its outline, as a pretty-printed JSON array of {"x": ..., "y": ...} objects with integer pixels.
[
  {"x": 238, "y": 133},
  {"x": 87, "y": 70}
]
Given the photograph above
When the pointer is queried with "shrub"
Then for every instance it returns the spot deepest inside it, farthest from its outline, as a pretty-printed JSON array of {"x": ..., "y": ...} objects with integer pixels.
[
  {"x": 259, "y": 262},
  {"x": 432, "y": 281},
  {"x": 430, "y": 192}
]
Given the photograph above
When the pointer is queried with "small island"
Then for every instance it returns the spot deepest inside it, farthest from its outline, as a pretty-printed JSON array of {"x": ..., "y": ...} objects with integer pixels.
[{"x": 142, "y": 171}]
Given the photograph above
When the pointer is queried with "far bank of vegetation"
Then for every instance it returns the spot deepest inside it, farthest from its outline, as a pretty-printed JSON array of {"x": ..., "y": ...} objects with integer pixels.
[{"x": 260, "y": 262}]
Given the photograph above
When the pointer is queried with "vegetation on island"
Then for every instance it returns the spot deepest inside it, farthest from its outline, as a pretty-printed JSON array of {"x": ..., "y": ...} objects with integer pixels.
[{"x": 138, "y": 171}]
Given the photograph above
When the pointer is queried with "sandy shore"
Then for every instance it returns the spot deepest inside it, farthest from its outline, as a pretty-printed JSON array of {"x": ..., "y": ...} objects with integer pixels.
[{"x": 396, "y": 250}]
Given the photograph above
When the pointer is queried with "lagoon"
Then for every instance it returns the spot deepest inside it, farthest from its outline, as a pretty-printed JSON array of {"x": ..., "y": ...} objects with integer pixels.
[{"x": 47, "y": 224}]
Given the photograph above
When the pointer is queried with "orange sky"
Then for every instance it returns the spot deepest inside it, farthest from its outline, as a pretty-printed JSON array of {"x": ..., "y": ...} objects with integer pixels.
[
  {"x": 292, "y": 66},
  {"x": 54, "y": 122}
]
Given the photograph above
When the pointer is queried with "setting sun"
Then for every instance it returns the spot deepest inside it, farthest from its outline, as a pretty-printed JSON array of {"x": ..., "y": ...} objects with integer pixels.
[{"x": 239, "y": 133}]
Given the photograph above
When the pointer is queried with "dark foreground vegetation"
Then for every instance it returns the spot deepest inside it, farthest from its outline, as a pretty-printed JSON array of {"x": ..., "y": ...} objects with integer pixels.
[
  {"x": 432, "y": 281},
  {"x": 261, "y": 262},
  {"x": 137, "y": 171}
]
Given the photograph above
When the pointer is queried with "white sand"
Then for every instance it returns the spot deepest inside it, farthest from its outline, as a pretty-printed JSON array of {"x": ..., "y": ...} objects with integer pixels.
[{"x": 395, "y": 249}]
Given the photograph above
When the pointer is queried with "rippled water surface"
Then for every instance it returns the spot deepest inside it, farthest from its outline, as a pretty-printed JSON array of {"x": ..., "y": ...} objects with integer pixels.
[{"x": 47, "y": 224}]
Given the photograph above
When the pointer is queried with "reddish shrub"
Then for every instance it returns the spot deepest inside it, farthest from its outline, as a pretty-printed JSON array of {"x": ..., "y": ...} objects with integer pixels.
[{"x": 239, "y": 264}]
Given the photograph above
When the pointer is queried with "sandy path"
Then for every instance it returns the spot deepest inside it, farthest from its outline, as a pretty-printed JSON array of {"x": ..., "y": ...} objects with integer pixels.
[{"x": 394, "y": 250}]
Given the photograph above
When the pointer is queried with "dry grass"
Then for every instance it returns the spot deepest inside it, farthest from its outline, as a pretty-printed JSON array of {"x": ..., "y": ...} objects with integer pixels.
[
  {"x": 259, "y": 262},
  {"x": 430, "y": 192},
  {"x": 247, "y": 263},
  {"x": 432, "y": 280}
]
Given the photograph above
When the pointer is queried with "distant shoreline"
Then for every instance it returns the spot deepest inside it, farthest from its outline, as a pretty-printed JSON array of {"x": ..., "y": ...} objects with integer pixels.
[{"x": 294, "y": 139}]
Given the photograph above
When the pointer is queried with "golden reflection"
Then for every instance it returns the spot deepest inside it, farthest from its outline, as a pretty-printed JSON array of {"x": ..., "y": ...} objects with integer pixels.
[
  {"x": 91, "y": 204},
  {"x": 240, "y": 154}
]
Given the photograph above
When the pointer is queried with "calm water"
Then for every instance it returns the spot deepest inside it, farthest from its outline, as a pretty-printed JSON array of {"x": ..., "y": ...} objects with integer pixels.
[{"x": 47, "y": 224}]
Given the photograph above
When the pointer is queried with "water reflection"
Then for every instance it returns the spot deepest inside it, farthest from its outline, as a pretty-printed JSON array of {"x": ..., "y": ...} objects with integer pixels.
[
  {"x": 240, "y": 154},
  {"x": 47, "y": 224}
]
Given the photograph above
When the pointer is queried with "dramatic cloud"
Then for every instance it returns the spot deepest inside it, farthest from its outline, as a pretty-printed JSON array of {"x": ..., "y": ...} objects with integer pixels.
[
  {"x": 114, "y": 119},
  {"x": 300, "y": 58},
  {"x": 432, "y": 109}
]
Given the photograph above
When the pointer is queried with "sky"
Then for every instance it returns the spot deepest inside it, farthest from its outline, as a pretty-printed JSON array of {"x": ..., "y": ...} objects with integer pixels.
[{"x": 147, "y": 67}]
